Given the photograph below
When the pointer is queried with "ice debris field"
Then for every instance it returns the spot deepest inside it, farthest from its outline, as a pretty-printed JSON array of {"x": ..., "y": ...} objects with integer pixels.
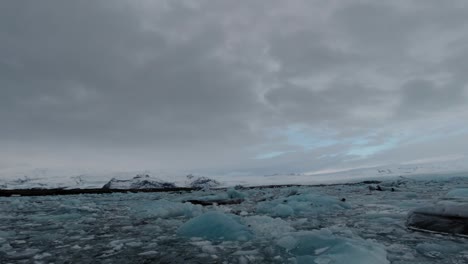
[{"x": 352, "y": 224}]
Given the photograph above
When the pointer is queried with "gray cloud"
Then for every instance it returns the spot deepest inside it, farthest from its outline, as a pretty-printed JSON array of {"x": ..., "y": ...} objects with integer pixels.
[{"x": 199, "y": 85}]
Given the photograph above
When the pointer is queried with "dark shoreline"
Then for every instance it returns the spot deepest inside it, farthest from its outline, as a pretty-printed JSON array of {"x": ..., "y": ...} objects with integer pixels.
[{"x": 60, "y": 191}]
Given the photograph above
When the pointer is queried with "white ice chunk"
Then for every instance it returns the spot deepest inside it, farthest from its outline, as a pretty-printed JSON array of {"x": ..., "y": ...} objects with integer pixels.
[{"x": 263, "y": 225}]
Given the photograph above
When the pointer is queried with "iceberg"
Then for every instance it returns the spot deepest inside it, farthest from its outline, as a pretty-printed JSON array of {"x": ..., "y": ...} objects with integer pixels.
[
  {"x": 445, "y": 217},
  {"x": 215, "y": 225},
  {"x": 322, "y": 246}
]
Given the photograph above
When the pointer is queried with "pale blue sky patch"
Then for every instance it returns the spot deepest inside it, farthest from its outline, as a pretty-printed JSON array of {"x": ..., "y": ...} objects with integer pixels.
[
  {"x": 366, "y": 151},
  {"x": 361, "y": 141},
  {"x": 271, "y": 155},
  {"x": 298, "y": 135}
]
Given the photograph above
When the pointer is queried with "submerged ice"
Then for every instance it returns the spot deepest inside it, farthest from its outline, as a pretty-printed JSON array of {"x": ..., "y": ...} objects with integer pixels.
[{"x": 326, "y": 224}]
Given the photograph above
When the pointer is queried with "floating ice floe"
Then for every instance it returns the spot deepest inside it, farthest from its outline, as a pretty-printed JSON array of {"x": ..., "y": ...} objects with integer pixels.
[{"x": 215, "y": 226}]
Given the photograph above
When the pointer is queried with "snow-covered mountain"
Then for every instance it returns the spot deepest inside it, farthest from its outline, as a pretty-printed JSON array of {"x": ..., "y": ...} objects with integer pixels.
[
  {"x": 47, "y": 178},
  {"x": 141, "y": 181},
  {"x": 201, "y": 182}
]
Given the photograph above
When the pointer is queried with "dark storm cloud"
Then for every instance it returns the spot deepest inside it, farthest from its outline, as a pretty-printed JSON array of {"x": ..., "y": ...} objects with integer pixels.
[
  {"x": 90, "y": 71},
  {"x": 202, "y": 84}
]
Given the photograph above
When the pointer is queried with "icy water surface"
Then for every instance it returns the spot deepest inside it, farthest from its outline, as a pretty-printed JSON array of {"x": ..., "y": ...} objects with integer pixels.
[{"x": 329, "y": 224}]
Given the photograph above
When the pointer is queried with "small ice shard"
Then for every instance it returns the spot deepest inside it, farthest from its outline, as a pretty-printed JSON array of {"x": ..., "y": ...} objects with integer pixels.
[
  {"x": 215, "y": 226},
  {"x": 148, "y": 253}
]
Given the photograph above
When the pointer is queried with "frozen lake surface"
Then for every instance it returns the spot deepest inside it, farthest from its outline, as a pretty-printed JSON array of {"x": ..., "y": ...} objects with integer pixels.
[{"x": 326, "y": 224}]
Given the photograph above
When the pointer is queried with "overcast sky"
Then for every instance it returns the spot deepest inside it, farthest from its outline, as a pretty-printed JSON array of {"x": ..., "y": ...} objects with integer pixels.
[{"x": 231, "y": 86}]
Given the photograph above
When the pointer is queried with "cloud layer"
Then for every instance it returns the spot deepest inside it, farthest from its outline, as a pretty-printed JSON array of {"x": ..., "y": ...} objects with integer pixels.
[{"x": 227, "y": 86}]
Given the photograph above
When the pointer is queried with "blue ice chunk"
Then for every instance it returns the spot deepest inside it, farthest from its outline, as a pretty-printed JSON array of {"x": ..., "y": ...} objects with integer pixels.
[
  {"x": 234, "y": 194},
  {"x": 282, "y": 210},
  {"x": 215, "y": 226},
  {"x": 322, "y": 246},
  {"x": 458, "y": 193}
]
